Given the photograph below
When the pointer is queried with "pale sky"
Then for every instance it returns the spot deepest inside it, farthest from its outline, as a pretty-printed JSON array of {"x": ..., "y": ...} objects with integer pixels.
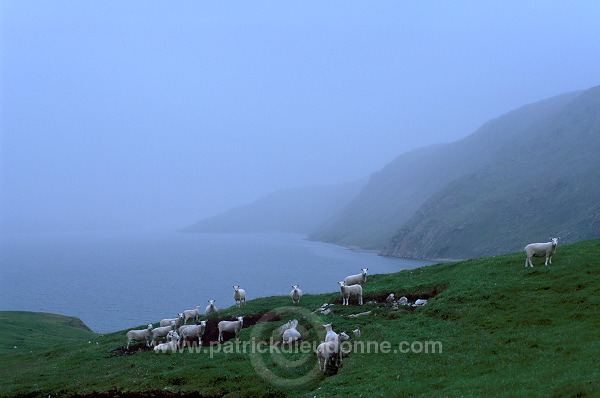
[{"x": 155, "y": 114}]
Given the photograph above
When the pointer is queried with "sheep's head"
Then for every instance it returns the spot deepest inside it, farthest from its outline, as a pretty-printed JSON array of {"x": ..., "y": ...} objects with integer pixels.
[
  {"x": 341, "y": 283},
  {"x": 236, "y": 287},
  {"x": 203, "y": 323},
  {"x": 295, "y": 287},
  {"x": 344, "y": 336},
  {"x": 150, "y": 327},
  {"x": 211, "y": 301},
  {"x": 554, "y": 241},
  {"x": 240, "y": 319},
  {"x": 364, "y": 270},
  {"x": 327, "y": 327}
]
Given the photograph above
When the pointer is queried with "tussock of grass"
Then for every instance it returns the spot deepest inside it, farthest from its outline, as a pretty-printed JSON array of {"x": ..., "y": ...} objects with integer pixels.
[{"x": 506, "y": 330}]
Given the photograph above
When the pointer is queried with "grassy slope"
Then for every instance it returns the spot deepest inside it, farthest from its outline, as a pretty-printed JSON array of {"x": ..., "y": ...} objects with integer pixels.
[{"x": 506, "y": 330}]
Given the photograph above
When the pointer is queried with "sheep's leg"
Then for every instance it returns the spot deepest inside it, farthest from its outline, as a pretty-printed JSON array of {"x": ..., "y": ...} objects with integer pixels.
[{"x": 360, "y": 302}]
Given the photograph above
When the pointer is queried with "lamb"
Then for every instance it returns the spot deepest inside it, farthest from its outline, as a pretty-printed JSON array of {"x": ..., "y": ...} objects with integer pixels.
[
  {"x": 331, "y": 350},
  {"x": 192, "y": 331},
  {"x": 330, "y": 335},
  {"x": 140, "y": 335},
  {"x": 359, "y": 279},
  {"x": 167, "y": 322},
  {"x": 291, "y": 334},
  {"x": 210, "y": 308},
  {"x": 541, "y": 250},
  {"x": 230, "y": 326},
  {"x": 191, "y": 314},
  {"x": 162, "y": 331},
  {"x": 296, "y": 294},
  {"x": 173, "y": 338},
  {"x": 348, "y": 291},
  {"x": 239, "y": 295}
]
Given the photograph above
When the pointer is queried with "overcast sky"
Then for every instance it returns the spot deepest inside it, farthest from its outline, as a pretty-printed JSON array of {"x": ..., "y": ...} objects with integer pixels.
[{"x": 155, "y": 114}]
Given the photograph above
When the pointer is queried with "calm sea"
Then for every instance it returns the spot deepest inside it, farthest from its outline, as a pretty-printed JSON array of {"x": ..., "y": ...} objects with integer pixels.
[{"x": 114, "y": 281}]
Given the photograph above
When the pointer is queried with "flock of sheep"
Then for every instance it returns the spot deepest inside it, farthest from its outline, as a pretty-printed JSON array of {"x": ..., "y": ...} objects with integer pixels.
[
  {"x": 328, "y": 351},
  {"x": 177, "y": 333}
]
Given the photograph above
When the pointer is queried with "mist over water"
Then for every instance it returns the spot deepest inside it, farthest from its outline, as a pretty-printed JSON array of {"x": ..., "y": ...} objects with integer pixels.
[{"x": 114, "y": 281}]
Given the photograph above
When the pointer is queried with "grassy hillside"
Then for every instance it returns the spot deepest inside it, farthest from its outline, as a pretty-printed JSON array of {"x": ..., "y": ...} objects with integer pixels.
[
  {"x": 504, "y": 330},
  {"x": 544, "y": 181}
]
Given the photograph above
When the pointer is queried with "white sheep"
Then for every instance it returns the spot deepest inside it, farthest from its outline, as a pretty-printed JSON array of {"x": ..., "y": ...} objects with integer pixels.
[
  {"x": 171, "y": 345},
  {"x": 330, "y": 335},
  {"x": 296, "y": 294},
  {"x": 541, "y": 250},
  {"x": 291, "y": 334},
  {"x": 350, "y": 291},
  {"x": 192, "y": 331},
  {"x": 191, "y": 314},
  {"x": 178, "y": 321},
  {"x": 331, "y": 350},
  {"x": 359, "y": 279},
  {"x": 356, "y": 332},
  {"x": 239, "y": 295},
  {"x": 230, "y": 326},
  {"x": 162, "y": 331},
  {"x": 140, "y": 335},
  {"x": 210, "y": 308}
]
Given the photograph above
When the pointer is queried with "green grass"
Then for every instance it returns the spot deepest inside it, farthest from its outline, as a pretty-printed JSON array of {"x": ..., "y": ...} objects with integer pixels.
[{"x": 505, "y": 330}]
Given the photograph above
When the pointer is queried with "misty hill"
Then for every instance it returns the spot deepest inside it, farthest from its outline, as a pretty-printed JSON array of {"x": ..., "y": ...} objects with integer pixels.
[
  {"x": 396, "y": 193},
  {"x": 543, "y": 181},
  {"x": 297, "y": 210}
]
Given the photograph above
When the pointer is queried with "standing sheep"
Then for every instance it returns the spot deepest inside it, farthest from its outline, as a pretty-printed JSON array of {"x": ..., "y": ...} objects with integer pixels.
[
  {"x": 192, "y": 331},
  {"x": 191, "y": 314},
  {"x": 210, "y": 308},
  {"x": 330, "y": 335},
  {"x": 359, "y": 279},
  {"x": 541, "y": 250},
  {"x": 350, "y": 291},
  {"x": 178, "y": 321},
  {"x": 296, "y": 294},
  {"x": 140, "y": 335},
  {"x": 162, "y": 331},
  {"x": 230, "y": 326},
  {"x": 239, "y": 295},
  {"x": 331, "y": 350}
]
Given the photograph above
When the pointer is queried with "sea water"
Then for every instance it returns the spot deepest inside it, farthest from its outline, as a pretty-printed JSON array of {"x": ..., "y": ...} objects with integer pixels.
[{"x": 115, "y": 280}]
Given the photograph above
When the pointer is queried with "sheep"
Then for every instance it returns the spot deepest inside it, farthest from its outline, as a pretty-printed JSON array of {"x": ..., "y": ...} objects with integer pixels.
[
  {"x": 210, "y": 308},
  {"x": 230, "y": 326},
  {"x": 348, "y": 291},
  {"x": 541, "y": 250},
  {"x": 296, "y": 294},
  {"x": 171, "y": 345},
  {"x": 356, "y": 332},
  {"x": 191, "y": 314},
  {"x": 239, "y": 295},
  {"x": 330, "y": 335},
  {"x": 140, "y": 335},
  {"x": 359, "y": 279},
  {"x": 192, "y": 331},
  {"x": 178, "y": 321},
  {"x": 162, "y": 331},
  {"x": 331, "y": 350},
  {"x": 291, "y": 334}
]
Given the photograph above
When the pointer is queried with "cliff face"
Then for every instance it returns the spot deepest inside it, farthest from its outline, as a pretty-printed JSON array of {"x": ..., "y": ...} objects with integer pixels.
[
  {"x": 544, "y": 181},
  {"x": 395, "y": 194}
]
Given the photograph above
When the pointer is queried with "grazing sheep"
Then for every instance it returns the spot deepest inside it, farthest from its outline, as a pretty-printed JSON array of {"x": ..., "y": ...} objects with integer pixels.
[
  {"x": 331, "y": 350},
  {"x": 390, "y": 298},
  {"x": 191, "y": 314},
  {"x": 356, "y": 332},
  {"x": 239, "y": 295},
  {"x": 348, "y": 291},
  {"x": 140, "y": 335},
  {"x": 192, "y": 331},
  {"x": 230, "y": 326},
  {"x": 162, "y": 331},
  {"x": 210, "y": 308},
  {"x": 178, "y": 321},
  {"x": 541, "y": 250},
  {"x": 173, "y": 338},
  {"x": 296, "y": 294},
  {"x": 291, "y": 334},
  {"x": 359, "y": 279}
]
